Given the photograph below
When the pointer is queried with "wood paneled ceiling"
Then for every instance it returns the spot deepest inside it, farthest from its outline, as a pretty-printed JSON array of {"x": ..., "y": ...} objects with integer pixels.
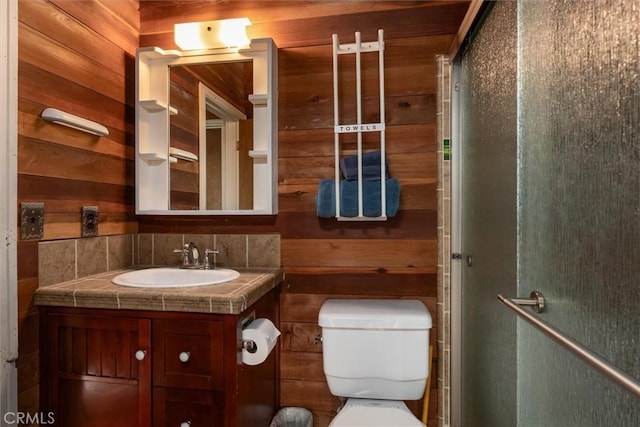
[{"x": 306, "y": 23}]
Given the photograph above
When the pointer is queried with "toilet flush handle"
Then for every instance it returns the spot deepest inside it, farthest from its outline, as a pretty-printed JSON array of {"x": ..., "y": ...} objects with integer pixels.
[{"x": 318, "y": 339}]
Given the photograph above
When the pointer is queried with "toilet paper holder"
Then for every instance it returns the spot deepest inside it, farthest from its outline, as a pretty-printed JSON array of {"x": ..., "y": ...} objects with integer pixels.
[
  {"x": 258, "y": 339},
  {"x": 249, "y": 345}
]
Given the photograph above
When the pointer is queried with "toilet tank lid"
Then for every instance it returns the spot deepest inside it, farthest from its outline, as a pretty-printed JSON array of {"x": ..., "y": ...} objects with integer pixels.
[{"x": 374, "y": 314}]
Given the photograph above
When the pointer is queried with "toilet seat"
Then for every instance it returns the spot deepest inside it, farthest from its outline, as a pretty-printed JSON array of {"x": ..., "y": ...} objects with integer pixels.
[{"x": 375, "y": 413}]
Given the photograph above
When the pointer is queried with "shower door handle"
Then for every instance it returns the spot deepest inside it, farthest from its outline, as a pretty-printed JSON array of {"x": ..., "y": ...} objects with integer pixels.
[
  {"x": 458, "y": 257},
  {"x": 604, "y": 366}
]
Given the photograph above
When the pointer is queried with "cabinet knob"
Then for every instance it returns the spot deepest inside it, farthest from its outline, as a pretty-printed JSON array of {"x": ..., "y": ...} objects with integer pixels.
[
  {"x": 141, "y": 354},
  {"x": 186, "y": 424},
  {"x": 184, "y": 357}
]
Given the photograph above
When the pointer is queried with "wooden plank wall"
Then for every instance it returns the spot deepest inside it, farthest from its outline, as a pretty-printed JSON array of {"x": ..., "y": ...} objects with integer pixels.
[
  {"x": 321, "y": 257},
  {"x": 77, "y": 57}
]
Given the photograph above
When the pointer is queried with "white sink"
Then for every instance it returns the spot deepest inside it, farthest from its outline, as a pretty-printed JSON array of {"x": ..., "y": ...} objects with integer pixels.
[{"x": 165, "y": 277}]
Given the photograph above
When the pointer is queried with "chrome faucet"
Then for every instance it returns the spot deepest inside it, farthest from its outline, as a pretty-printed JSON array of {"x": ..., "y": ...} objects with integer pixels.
[{"x": 190, "y": 255}]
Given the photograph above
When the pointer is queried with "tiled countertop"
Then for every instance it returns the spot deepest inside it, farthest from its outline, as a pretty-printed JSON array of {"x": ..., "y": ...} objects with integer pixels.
[{"x": 97, "y": 291}]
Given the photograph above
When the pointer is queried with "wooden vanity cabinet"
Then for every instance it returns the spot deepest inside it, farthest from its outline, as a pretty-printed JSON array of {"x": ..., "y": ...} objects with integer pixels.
[{"x": 141, "y": 368}]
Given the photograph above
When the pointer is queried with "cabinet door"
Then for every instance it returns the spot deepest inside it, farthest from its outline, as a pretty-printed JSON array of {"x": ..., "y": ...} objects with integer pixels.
[
  {"x": 94, "y": 377},
  {"x": 188, "y": 354},
  {"x": 192, "y": 408}
]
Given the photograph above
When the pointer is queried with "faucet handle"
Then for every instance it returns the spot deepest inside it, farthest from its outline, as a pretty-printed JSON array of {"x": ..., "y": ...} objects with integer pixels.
[
  {"x": 185, "y": 254},
  {"x": 207, "y": 258}
]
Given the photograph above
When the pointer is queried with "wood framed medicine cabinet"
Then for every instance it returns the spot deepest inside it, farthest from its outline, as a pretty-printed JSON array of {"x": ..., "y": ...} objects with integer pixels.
[{"x": 154, "y": 153}]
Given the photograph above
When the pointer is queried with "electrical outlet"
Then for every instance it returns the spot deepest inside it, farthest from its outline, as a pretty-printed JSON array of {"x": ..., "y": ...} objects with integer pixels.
[
  {"x": 89, "y": 221},
  {"x": 31, "y": 221}
]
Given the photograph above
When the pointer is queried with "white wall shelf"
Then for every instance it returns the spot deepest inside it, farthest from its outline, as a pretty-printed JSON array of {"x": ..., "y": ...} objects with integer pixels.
[
  {"x": 152, "y": 157},
  {"x": 260, "y": 99},
  {"x": 155, "y": 106},
  {"x": 257, "y": 154}
]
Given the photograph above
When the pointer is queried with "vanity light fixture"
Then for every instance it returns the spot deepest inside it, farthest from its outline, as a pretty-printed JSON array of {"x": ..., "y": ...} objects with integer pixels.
[
  {"x": 66, "y": 119},
  {"x": 225, "y": 33}
]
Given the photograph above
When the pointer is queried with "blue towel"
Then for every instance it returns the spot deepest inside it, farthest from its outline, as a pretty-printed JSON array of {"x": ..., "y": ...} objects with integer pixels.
[
  {"x": 370, "y": 167},
  {"x": 326, "y": 202}
]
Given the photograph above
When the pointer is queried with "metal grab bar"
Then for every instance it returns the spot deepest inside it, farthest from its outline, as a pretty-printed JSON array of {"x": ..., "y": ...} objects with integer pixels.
[
  {"x": 597, "y": 362},
  {"x": 535, "y": 301}
]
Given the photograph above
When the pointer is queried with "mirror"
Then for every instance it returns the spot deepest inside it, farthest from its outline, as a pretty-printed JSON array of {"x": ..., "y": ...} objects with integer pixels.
[
  {"x": 206, "y": 134},
  {"x": 215, "y": 124}
]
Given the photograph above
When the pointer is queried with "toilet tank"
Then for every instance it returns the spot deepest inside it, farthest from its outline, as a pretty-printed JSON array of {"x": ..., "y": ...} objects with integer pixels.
[{"x": 375, "y": 349}]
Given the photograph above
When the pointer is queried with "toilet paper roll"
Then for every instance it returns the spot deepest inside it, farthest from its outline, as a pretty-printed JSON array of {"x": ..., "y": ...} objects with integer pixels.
[{"x": 265, "y": 336}]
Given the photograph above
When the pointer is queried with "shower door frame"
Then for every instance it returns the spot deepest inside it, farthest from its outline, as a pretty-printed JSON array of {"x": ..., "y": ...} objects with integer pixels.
[
  {"x": 455, "y": 394},
  {"x": 479, "y": 10}
]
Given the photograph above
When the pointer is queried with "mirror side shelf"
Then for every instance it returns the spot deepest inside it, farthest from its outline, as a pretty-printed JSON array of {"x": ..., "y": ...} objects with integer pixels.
[{"x": 153, "y": 111}]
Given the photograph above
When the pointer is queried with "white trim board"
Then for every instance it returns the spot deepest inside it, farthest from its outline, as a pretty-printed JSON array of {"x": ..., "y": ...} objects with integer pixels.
[{"x": 8, "y": 211}]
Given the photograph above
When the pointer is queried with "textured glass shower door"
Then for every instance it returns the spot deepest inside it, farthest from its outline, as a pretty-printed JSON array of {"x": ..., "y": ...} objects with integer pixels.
[
  {"x": 488, "y": 174},
  {"x": 579, "y": 206},
  {"x": 550, "y": 123}
]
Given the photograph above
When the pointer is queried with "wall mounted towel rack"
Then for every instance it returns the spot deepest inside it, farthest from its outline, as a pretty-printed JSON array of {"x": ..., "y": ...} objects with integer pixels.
[
  {"x": 610, "y": 371},
  {"x": 358, "y": 128}
]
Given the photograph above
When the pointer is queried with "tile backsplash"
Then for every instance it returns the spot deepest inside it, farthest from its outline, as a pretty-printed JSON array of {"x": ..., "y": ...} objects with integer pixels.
[
  {"x": 63, "y": 260},
  {"x": 236, "y": 250}
]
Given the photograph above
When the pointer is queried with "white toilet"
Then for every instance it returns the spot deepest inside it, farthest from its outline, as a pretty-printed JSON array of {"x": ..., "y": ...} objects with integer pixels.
[{"x": 375, "y": 353}]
